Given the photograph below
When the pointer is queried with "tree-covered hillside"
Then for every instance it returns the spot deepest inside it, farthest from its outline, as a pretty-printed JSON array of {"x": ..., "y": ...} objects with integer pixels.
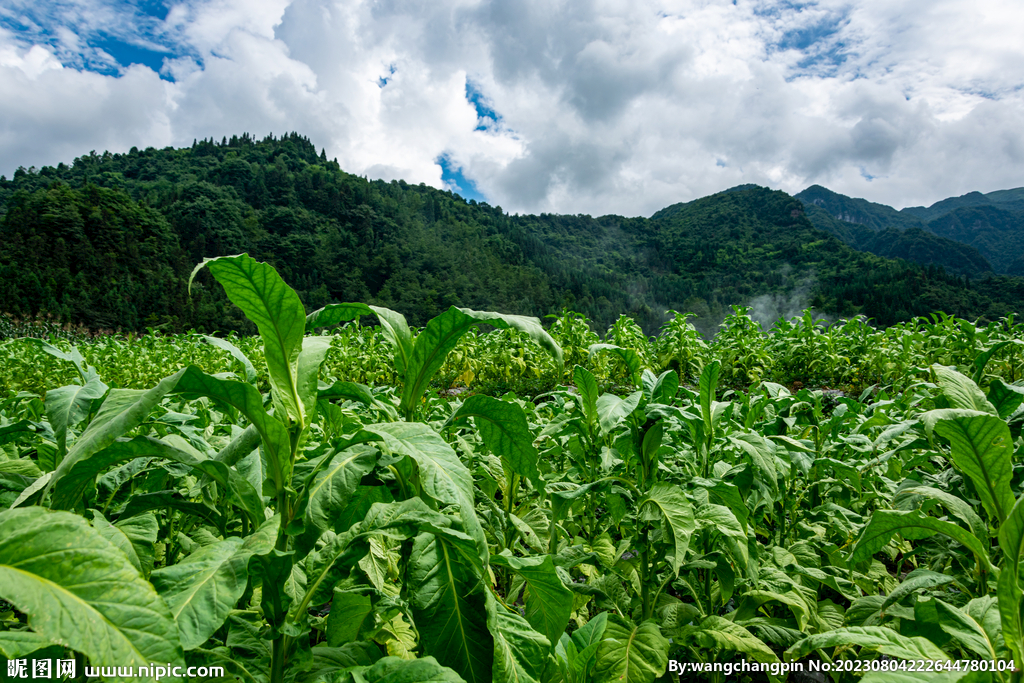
[
  {"x": 110, "y": 240},
  {"x": 968, "y": 235}
]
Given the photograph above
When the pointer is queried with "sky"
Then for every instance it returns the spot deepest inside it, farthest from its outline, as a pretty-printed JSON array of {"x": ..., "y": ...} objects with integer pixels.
[{"x": 596, "y": 107}]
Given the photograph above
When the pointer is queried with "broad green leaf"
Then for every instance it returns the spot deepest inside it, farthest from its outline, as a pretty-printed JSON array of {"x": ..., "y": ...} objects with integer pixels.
[
  {"x": 275, "y": 308},
  {"x": 981, "y": 446},
  {"x": 957, "y": 507},
  {"x": 590, "y": 633},
  {"x": 1009, "y": 593},
  {"x": 442, "y": 334},
  {"x": 349, "y": 612},
  {"x": 80, "y": 591},
  {"x": 449, "y": 608},
  {"x": 1011, "y": 543},
  {"x": 117, "y": 538},
  {"x": 1005, "y": 397},
  {"x": 965, "y": 630},
  {"x": 919, "y": 579},
  {"x": 519, "y": 652},
  {"x": 612, "y": 410},
  {"x": 328, "y": 661},
  {"x": 761, "y": 456},
  {"x": 961, "y": 391},
  {"x": 444, "y": 477},
  {"x": 70, "y": 405},
  {"x": 707, "y": 386},
  {"x": 203, "y": 588},
  {"x": 914, "y": 525},
  {"x": 549, "y": 604},
  {"x": 247, "y": 400},
  {"x": 748, "y": 604},
  {"x": 1011, "y": 538},
  {"x": 878, "y": 638},
  {"x": 721, "y": 519},
  {"x": 144, "y": 502},
  {"x": 314, "y": 350},
  {"x": 631, "y": 654},
  {"x": 330, "y": 491},
  {"x": 349, "y": 391},
  {"x": 715, "y": 632},
  {"x": 675, "y": 510},
  {"x": 586, "y": 384},
  {"x": 398, "y": 670},
  {"x": 125, "y": 412},
  {"x": 235, "y": 352},
  {"x": 504, "y": 429},
  {"x": 141, "y": 531},
  {"x": 17, "y": 644},
  {"x": 82, "y": 474}
]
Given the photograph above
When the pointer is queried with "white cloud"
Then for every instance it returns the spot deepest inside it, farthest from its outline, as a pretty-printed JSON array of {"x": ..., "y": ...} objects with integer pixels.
[{"x": 607, "y": 106}]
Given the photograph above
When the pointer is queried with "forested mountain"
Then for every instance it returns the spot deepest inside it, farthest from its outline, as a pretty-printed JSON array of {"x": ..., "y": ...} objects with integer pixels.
[
  {"x": 109, "y": 241},
  {"x": 970, "y": 234}
]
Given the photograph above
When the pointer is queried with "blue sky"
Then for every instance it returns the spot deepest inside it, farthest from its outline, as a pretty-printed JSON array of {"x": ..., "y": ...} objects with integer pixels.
[{"x": 572, "y": 107}]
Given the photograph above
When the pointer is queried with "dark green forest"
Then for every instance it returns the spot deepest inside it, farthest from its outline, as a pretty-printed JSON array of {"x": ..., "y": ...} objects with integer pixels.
[{"x": 110, "y": 240}]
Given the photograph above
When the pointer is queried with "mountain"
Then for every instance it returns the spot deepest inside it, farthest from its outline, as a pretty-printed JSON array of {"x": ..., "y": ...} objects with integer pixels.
[
  {"x": 110, "y": 240},
  {"x": 968, "y": 235}
]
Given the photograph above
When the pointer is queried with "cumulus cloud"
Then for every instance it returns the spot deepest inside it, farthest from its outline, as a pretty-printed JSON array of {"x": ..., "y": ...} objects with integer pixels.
[{"x": 616, "y": 106}]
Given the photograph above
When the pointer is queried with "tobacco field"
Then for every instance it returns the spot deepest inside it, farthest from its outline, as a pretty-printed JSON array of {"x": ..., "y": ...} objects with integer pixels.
[{"x": 344, "y": 498}]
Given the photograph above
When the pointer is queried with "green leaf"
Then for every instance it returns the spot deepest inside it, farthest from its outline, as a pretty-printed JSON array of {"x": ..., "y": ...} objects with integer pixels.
[
  {"x": 631, "y": 654},
  {"x": 449, "y": 609},
  {"x": 203, "y": 588},
  {"x": 330, "y": 660},
  {"x": 504, "y": 429},
  {"x": 715, "y": 633},
  {"x": 1011, "y": 543},
  {"x": 590, "y": 633},
  {"x": 397, "y": 670},
  {"x": 549, "y": 604},
  {"x": 17, "y": 644},
  {"x": 1005, "y": 397},
  {"x": 586, "y": 384},
  {"x": 961, "y": 391},
  {"x": 82, "y": 474},
  {"x": 707, "y": 386},
  {"x": 122, "y": 411},
  {"x": 314, "y": 350},
  {"x": 965, "y": 630},
  {"x": 957, "y": 507},
  {"x": 349, "y": 613},
  {"x": 721, "y": 519},
  {"x": 117, "y": 538},
  {"x": 236, "y": 353},
  {"x": 916, "y": 580},
  {"x": 275, "y": 308},
  {"x": 443, "y": 476},
  {"x": 442, "y": 334},
  {"x": 519, "y": 652},
  {"x": 330, "y": 491},
  {"x": 612, "y": 410},
  {"x": 761, "y": 456},
  {"x": 80, "y": 591},
  {"x": 981, "y": 446},
  {"x": 675, "y": 510},
  {"x": 878, "y": 638},
  {"x": 913, "y": 525},
  {"x": 67, "y": 406}
]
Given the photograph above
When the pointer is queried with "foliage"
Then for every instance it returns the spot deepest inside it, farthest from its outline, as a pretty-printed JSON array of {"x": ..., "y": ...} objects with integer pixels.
[{"x": 297, "y": 525}]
